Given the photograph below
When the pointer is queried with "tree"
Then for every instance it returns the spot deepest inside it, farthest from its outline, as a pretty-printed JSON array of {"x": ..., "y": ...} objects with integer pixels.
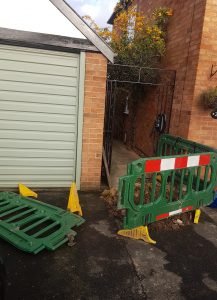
[{"x": 137, "y": 39}]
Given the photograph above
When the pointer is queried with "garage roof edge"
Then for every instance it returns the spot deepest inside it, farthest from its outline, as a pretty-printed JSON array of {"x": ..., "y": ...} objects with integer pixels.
[
  {"x": 84, "y": 28},
  {"x": 44, "y": 41}
]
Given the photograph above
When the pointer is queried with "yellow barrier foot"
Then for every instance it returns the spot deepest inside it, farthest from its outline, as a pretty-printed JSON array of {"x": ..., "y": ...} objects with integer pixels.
[
  {"x": 73, "y": 203},
  {"x": 138, "y": 233},
  {"x": 26, "y": 192},
  {"x": 197, "y": 216}
]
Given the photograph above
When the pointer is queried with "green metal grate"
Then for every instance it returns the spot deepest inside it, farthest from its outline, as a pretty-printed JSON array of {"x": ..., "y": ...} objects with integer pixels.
[{"x": 32, "y": 226}]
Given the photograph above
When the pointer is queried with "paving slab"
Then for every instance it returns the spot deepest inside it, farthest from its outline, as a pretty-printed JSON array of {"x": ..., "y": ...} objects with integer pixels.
[{"x": 121, "y": 156}]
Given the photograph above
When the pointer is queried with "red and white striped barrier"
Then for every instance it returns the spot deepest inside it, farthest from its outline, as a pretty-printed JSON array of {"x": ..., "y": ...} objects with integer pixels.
[
  {"x": 173, "y": 213},
  {"x": 165, "y": 164}
]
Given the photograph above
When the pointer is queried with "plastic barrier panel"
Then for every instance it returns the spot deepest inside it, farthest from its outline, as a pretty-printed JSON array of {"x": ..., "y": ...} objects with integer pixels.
[
  {"x": 32, "y": 226},
  {"x": 172, "y": 145},
  {"x": 157, "y": 188}
]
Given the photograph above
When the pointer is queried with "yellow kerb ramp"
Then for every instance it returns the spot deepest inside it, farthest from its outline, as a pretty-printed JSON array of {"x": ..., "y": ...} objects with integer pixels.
[
  {"x": 26, "y": 192},
  {"x": 73, "y": 203},
  {"x": 138, "y": 233}
]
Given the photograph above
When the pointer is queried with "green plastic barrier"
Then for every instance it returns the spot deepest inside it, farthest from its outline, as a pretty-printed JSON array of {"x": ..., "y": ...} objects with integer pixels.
[
  {"x": 173, "y": 184},
  {"x": 32, "y": 226},
  {"x": 172, "y": 145}
]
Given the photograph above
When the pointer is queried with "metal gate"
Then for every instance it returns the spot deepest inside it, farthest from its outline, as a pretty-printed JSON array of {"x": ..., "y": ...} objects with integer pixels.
[
  {"x": 133, "y": 77},
  {"x": 109, "y": 118}
]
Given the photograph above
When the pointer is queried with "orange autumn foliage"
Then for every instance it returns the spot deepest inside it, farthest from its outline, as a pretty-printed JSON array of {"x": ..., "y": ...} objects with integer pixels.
[{"x": 136, "y": 38}]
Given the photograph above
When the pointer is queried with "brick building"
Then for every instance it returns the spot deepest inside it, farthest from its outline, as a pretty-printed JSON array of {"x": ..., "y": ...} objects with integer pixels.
[{"x": 191, "y": 52}]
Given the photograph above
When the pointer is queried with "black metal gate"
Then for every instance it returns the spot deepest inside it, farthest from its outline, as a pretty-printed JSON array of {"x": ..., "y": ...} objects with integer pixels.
[
  {"x": 163, "y": 80},
  {"x": 109, "y": 119}
]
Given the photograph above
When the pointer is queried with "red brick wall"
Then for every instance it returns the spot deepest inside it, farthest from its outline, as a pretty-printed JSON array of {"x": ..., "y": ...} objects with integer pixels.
[
  {"x": 145, "y": 117},
  {"x": 182, "y": 54},
  {"x": 202, "y": 127},
  {"x": 94, "y": 105}
]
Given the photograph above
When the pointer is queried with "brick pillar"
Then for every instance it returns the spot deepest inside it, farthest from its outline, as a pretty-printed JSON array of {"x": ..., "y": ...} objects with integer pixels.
[{"x": 94, "y": 106}]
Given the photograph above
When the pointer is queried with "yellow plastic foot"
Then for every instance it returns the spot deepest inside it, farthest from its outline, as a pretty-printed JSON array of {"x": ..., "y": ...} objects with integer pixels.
[
  {"x": 138, "y": 233},
  {"x": 197, "y": 216},
  {"x": 26, "y": 192},
  {"x": 73, "y": 203}
]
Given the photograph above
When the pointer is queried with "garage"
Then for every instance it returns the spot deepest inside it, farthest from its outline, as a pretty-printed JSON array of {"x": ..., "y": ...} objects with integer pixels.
[
  {"x": 52, "y": 98},
  {"x": 39, "y": 116}
]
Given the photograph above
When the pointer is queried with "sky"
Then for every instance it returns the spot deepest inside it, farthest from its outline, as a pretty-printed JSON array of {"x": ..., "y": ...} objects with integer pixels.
[
  {"x": 99, "y": 10},
  {"x": 42, "y": 16}
]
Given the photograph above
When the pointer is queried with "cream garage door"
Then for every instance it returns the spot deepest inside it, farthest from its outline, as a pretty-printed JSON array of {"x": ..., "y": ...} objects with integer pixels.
[{"x": 38, "y": 117}]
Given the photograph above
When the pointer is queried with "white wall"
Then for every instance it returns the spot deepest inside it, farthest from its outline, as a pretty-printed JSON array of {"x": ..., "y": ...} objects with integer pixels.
[{"x": 36, "y": 16}]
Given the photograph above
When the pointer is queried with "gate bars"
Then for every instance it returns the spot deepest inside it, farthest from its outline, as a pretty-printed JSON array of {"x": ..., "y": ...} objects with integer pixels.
[{"x": 128, "y": 75}]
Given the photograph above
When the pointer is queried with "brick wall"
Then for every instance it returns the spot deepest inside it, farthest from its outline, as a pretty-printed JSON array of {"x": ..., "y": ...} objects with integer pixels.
[
  {"x": 144, "y": 140},
  {"x": 202, "y": 127},
  {"x": 182, "y": 54},
  {"x": 94, "y": 105}
]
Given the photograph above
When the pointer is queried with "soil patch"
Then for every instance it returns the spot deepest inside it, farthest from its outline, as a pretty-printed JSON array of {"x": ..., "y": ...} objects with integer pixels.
[{"x": 178, "y": 222}]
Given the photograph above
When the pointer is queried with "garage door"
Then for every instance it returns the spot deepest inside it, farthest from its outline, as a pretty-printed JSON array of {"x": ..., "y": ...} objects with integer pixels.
[{"x": 38, "y": 117}]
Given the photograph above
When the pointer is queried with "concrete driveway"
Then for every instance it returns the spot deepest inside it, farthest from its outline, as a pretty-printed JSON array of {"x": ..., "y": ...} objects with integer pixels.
[{"x": 101, "y": 265}]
